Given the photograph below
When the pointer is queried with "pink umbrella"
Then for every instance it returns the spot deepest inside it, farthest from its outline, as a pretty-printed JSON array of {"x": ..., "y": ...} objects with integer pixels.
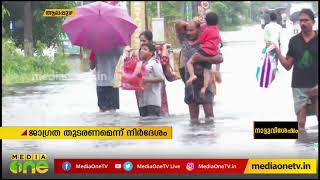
[{"x": 99, "y": 26}]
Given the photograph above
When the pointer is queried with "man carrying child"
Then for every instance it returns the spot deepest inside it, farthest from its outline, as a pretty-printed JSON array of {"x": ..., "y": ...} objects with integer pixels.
[{"x": 209, "y": 46}]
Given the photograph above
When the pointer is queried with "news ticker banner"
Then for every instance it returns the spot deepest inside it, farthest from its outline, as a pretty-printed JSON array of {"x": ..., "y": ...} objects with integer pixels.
[
  {"x": 185, "y": 166},
  {"x": 275, "y": 130},
  {"x": 84, "y": 133},
  {"x": 261, "y": 130}
]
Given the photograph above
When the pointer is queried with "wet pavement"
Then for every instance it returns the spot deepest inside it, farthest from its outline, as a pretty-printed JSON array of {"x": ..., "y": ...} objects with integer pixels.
[{"x": 239, "y": 102}]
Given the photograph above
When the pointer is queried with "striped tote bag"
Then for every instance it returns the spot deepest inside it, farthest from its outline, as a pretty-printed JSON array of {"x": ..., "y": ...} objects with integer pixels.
[{"x": 267, "y": 65}]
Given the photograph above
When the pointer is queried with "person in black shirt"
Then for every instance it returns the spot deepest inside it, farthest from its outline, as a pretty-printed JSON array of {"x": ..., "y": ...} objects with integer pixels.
[{"x": 303, "y": 57}]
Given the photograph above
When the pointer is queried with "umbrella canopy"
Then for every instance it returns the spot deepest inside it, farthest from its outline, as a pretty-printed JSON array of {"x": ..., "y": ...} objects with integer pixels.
[
  {"x": 99, "y": 26},
  {"x": 294, "y": 16}
]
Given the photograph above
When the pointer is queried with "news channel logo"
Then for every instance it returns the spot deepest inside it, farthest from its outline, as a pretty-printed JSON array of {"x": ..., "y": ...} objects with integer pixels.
[
  {"x": 127, "y": 166},
  {"x": 29, "y": 164},
  {"x": 190, "y": 166},
  {"x": 66, "y": 166}
]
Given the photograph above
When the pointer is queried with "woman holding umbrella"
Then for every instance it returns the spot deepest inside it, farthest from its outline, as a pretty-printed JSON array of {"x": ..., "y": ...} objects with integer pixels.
[{"x": 105, "y": 30}]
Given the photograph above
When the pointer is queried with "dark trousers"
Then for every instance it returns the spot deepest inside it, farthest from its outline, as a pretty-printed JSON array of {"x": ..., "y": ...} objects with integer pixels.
[
  {"x": 108, "y": 97},
  {"x": 149, "y": 110}
]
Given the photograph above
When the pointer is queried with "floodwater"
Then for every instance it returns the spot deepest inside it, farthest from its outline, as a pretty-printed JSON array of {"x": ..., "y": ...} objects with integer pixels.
[{"x": 239, "y": 102}]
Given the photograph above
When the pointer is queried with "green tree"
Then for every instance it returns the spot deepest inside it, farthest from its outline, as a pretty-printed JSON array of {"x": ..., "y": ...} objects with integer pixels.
[
  {"x": 45, "y": 29},
  {"x": 223, "y": 11},
  {"x": 49, "y": 29},
  {"x": 255, "y": 10},
  {"x": 151, "y": 8},
  {"x": 236, "y": 10},
  {"x": 5, "y": 13},
  {"x": 170, "y": 10},
  {"x": 257, "y": 6}
]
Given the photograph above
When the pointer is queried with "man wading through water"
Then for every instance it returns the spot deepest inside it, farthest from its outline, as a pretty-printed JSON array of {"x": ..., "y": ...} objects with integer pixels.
[{"x": 303, "y": 57}]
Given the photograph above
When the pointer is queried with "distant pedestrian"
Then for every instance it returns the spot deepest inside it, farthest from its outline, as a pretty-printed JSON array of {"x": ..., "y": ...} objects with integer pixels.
[{"x": 272, "y": 31}]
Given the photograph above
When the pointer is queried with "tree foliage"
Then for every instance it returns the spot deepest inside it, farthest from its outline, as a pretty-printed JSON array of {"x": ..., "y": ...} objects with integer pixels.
[
  {"x": 169, "y": 10},
  {"x": 5, "y": 12},
  {"x": 231, "y": 13},
  {"x": 45, "y": 29},
  {"x": 49, "y": 29},
  {"x": 222, "y": 10}
]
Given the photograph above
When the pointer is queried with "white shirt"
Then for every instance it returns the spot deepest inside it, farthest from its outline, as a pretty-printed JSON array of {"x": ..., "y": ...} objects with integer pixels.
[
  {"x": 152, "y": 93},
  {"x": 272, "y": 32},
  {"x": 106, "y": 63}
]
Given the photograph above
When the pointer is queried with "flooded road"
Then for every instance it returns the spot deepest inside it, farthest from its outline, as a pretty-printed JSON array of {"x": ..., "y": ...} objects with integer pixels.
[{"x": 239, "y": 102}]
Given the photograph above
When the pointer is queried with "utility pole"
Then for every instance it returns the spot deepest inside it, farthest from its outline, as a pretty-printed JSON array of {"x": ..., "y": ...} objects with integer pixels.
[
  {"x": 184, "y": 9},
  {"x": 194, "y": 8},
  {"x": 158, "y": 8},
  {"x": 189, "y": 10},
  {"x": 28, "y": 36},
  {"x": 146, "y": 15},
  {"x": 137, "y": 11},
  {"x": 81, "y": 49}
]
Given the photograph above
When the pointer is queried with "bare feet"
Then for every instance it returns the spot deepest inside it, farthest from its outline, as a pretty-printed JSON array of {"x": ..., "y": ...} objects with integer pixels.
[
  {"x": 203, "y": 92},
  {"x": 209, "y": 120},
  {"x": 194, "y": 122},
  {"x": 191, "y": 79},
  {"x": 302, "y": 129}
]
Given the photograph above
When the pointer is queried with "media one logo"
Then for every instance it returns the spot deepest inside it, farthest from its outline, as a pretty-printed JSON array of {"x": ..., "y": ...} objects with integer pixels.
[{"x": 29, "y": 163}]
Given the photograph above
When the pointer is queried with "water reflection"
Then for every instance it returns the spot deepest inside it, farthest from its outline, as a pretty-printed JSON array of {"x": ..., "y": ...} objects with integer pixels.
[
  {"x": 108, "y": 144},
  {"x": 22, "y": 145},
  {"x": 202, "y": 133},
  {"x": 156, "y": 121},
  {"x": 307, "y": 138}
]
